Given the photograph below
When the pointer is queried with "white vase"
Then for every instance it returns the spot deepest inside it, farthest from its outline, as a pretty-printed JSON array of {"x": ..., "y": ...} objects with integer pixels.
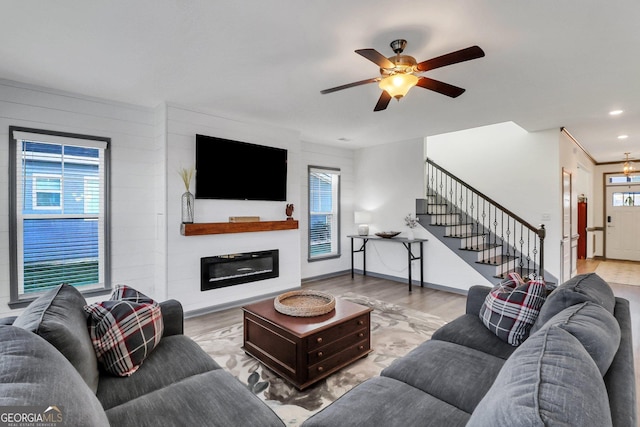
[{"x": 410, "y": 235}]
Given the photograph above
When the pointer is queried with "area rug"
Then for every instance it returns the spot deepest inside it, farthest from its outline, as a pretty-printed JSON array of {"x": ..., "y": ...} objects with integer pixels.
[
  {"x": 394, "y": 332},
  {"x": 626, "y": 273}
]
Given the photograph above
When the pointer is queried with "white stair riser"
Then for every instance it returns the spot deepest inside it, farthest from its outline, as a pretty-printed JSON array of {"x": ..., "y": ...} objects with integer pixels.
[
  {"x": 454, "y": 230},
  {"x": 436, "y": 209},
  {"x": 445, "y": 219},
  {"x": 474, "y": 241}
]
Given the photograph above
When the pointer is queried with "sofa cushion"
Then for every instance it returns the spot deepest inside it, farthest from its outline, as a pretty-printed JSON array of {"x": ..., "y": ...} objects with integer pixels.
[
  {"x": 620, "y": 380},
  {"x": 214, "y": 398},
  {"x": 581, "y": 288},
  {"x": 58, "y": 317},
  {"x": 445, "y": 370},
  {"x": 511, "y": 308},
  {"x": 383, "y": 401},
  {"x": 34, "y": 373},
  {"x": 549, "y": 380},
  {"x": 596, "y": 329},
  {"x": 468, "y": 330},
  {"x": 124, "y": 330},
  {"x": 176, "y": 357}
]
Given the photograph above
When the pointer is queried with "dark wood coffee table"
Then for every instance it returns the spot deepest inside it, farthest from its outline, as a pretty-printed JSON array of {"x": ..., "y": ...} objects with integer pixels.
[{"x": 304, "y": 350}]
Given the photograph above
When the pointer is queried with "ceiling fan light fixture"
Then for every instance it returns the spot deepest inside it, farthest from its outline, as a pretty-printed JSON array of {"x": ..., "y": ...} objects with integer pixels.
[{"x": 397, "y": 85}]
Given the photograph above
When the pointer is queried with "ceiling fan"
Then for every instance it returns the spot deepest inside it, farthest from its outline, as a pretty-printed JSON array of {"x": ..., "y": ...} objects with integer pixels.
[{"x": 398, "y": 73}]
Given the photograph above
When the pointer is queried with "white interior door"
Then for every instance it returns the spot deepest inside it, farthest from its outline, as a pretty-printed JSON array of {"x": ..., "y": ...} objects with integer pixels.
[
  {"x": 566, "y": 226},
  {"x": 623, "y": 222}
]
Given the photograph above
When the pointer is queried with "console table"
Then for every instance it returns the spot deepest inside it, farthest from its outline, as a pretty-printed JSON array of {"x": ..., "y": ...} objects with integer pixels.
[{"x": 405, "y": 242}]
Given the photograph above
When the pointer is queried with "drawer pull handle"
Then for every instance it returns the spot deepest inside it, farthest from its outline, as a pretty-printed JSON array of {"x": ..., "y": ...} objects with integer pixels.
[
  {"x": 361, "y": 347},
  {"x": 320, "y": 354},
  {"x": 360, "y": 334},
  {"x": 319, "y": 340},
  {"x": 320, "y": 369},
  {"x": 360, "y": 322}
]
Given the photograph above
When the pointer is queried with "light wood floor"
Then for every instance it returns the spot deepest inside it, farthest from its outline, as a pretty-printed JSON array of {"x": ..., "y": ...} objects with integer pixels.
[{"x": 446, "y": 305}]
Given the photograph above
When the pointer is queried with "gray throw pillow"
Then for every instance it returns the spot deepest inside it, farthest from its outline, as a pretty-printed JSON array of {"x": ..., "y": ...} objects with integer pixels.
[
  {"x": 34, "y": 373},
  {"x": 596, "y": 329},
  {"x": 579, "y": 289},
  {"x": 58, "y": 316},
  {"x": 549, "y": 380}
]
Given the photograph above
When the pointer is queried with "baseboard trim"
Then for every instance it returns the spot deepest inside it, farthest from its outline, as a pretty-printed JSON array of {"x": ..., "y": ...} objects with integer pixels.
[
  {"x": 325, "y": 276},
  {"x": 239, "y": 303},
  {"x": 234, "y": 304},
  {"x": 415, "y": 283}
]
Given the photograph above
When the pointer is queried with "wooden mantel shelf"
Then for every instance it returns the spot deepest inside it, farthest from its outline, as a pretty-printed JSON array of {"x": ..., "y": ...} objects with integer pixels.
[{"x": 204, "y": 228}]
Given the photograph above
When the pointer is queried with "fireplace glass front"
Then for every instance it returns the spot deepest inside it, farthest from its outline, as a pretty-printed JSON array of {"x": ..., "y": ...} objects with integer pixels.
[{"x": 233, "y": 269}]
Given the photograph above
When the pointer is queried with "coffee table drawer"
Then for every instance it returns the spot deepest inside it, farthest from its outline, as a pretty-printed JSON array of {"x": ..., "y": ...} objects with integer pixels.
[
  {"x": 327, "y": 351},
  {"x": 327, "y": 336},
  {"x": 338, "y": 360}
]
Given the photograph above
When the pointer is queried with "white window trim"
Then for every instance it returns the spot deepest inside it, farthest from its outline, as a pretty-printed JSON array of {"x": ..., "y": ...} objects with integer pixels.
[
  {"x": 335, "y": 235},
  {"x": 16, "y": 136}
]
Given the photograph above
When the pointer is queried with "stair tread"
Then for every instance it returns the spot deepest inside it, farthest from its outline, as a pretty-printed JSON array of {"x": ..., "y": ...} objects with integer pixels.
[
  {"x": 497, "y": 260},
  {"x": 522, "y": 272},
  {"x": 465, "y": 235},
  {"x": 482, "y": 247}
]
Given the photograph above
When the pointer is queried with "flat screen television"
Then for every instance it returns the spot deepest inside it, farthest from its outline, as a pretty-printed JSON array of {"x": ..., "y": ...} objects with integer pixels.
[{"x": 236, "y": 170}]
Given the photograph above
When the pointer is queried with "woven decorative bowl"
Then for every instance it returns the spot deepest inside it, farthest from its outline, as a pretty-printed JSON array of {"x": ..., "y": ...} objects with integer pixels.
[
  {"x": 387, "y": 234},
  {"x": 304, "y": 303}
]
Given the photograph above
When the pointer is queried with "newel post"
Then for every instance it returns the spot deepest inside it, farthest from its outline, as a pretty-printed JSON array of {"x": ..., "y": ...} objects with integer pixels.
[{"x": 542, "y": 234}]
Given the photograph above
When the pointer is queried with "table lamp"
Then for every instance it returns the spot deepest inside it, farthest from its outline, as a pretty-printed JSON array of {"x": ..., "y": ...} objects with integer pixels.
[{"x": 362, "y": 218}]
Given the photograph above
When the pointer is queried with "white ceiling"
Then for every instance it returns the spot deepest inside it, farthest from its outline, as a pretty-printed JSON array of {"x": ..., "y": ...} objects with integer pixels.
[{"x": 548, "y": 64}]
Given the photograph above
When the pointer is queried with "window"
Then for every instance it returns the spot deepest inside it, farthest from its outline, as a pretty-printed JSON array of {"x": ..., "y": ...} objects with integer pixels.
[
  {"x": 324, "y": 213},
  {"x": 626, "y": 199},
  {"x": 58, "y": 212},
  {"x": 623, "y": 179}
]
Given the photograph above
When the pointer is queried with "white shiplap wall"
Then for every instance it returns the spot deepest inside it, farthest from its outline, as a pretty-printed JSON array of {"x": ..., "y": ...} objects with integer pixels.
[
  {"x": 184, "y": 253},
  {"x": 134, "y": 193},
  {"x": 333, "y": 157}
]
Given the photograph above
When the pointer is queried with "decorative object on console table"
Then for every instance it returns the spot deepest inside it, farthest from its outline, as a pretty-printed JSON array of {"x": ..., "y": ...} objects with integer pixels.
[
  {"x": 387, "y": 234},
  {"x": 289, "y": 211},
  {"x": 411, "y": 223},
  {"x": 188, "y": 200},
  {"x": 362, "y": 218}
]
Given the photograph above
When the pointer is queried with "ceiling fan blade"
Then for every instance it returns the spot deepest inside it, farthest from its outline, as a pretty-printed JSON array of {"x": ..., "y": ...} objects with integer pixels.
[
  {"x": 348, "y": 85},
  {"x": 376, "y": 57},
  {"x": 440, "y": 87},
  {"x": 383, "y": 101},
  {"x": 461, "y": 55}
]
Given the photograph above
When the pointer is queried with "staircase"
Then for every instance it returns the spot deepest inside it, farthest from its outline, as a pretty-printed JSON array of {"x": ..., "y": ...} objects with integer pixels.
[{"x": 490, "y": 238}]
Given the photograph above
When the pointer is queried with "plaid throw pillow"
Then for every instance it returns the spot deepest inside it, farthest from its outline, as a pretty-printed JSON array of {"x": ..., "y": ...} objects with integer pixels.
[
  {"x": 124, "y": 330},
  {"x": 511, "y": 307}
]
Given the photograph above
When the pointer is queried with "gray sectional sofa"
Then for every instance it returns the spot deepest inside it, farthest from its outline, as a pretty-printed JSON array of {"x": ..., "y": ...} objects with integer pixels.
[
  {"x": 47, "y": 361},
  {"x": 575, "y": 369}
]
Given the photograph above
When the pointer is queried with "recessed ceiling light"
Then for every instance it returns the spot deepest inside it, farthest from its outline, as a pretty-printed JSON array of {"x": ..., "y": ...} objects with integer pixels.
[
  {"x": 615, "y": 112},
  {"x": 623, "y": 136}
]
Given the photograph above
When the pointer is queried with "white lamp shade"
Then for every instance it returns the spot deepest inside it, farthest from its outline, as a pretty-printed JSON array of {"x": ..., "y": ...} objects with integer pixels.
[{"x": 362, "y": 217}]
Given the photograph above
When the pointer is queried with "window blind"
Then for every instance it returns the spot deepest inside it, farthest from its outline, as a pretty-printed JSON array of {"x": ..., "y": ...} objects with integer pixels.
[
  {"x": 60, "y": 187},
  {"x": 323, "y": 212}
]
